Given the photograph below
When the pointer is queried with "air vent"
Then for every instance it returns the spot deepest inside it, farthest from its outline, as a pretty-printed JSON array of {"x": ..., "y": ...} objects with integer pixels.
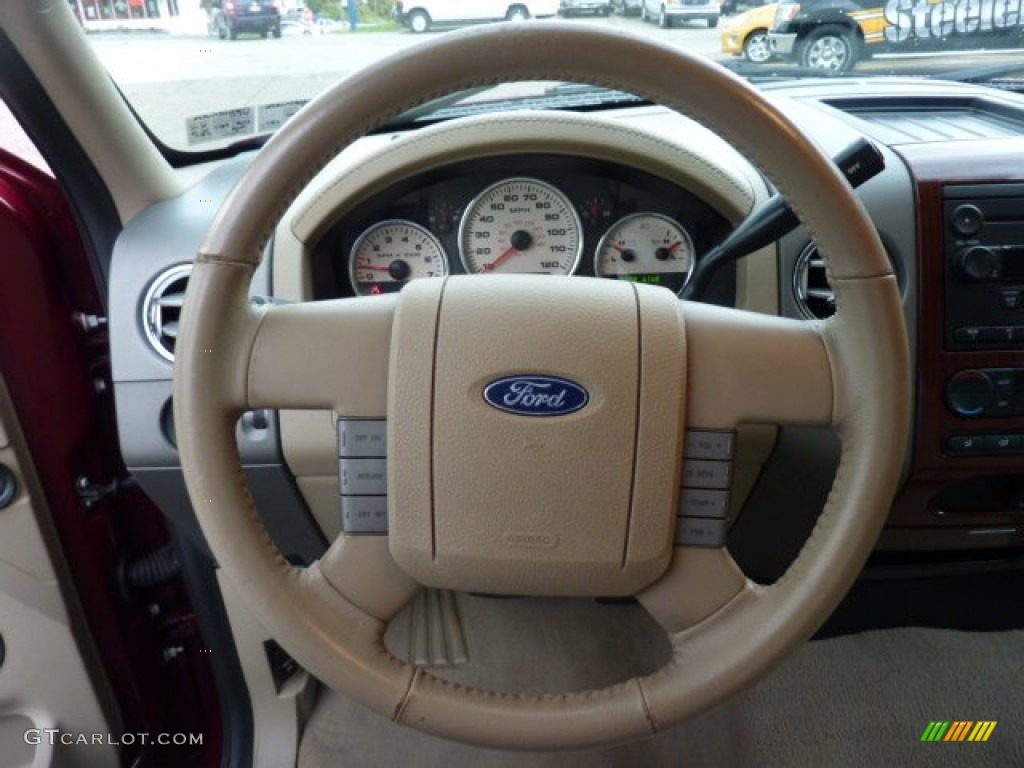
[
  {"x": 813, "y": 294},
  {"x": 161, "y": 309}
]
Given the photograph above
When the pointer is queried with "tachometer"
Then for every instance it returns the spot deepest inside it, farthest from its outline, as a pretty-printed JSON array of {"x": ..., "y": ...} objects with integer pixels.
[
  {"x": 646, "y": 248},
  {"x": 391, "y": 253},
  {"x": 520, "y": 226}
]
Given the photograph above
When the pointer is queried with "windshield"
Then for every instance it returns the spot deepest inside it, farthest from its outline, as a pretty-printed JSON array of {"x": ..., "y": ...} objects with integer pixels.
[{"x": 205, "y": 74}]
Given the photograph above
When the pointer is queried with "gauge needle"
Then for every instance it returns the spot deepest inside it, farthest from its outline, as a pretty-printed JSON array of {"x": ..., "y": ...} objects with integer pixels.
[
  {"x": 501, "y": 259},
  {"x": 373, "y": 268}
]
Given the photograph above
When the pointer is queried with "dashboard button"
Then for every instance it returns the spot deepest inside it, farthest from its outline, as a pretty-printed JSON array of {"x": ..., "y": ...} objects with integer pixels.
[
  {"x": 967, "y": 334},
  {"x": 967, "y": 220},
  {"x": 965, "y": 443},
  {"x": 995, "y": 333},
  {"x": 1002, "y": 443},
  {"x": 969, "y": 393},
  {"x": 1012, "y": 299}
]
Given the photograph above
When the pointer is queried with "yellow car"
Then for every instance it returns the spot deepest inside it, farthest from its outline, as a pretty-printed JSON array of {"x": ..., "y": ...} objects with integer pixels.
[{"x": 747, "y": 34}]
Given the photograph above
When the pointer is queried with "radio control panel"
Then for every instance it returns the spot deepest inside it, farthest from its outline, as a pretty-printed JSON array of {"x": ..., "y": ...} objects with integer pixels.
[{"x": 984, "y": 252}]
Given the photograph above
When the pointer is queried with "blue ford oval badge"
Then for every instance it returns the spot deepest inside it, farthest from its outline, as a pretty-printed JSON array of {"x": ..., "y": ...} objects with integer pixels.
[{"x": 536, "y": 395}]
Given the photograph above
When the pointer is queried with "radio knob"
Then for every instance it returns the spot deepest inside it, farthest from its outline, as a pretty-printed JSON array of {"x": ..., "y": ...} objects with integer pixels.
[
  {"x": 967, "y": 220},
  {"x": 969, "y": 392},
  {"x": 977, "y": 263}
]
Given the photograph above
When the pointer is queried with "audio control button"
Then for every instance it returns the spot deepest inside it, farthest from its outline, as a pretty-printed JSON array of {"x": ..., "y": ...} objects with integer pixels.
[
  {"x": 967, "y": 220},
  {"x": 978, "y": 263},
  {"x": 969, "y": 393},
  {"x": 967, "y": 334}
]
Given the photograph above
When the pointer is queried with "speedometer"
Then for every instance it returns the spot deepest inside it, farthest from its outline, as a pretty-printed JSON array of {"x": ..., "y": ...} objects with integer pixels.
[{"x": 522, "y": 226}]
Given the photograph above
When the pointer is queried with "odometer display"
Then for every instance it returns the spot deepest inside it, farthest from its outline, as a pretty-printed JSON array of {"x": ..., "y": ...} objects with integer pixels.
[{"x": 520, "y": 226}]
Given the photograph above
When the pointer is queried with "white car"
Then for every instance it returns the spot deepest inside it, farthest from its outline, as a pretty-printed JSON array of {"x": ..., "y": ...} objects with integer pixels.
[
  {"x": 668, "y": 12},
  {"x": 421, "y": 15}
]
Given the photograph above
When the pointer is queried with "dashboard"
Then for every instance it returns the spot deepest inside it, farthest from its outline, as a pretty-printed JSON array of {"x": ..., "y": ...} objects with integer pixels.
[{"x": 571, "y": 194}]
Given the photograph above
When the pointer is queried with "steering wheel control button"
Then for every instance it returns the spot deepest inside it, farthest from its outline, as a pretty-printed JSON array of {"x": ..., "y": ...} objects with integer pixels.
[
  {"x": 701, "y": 444},
  {"x": 364, "y": 514},
  {"x": 698, "y": 473},
  {"x": 700, "y": 532},
  {"x": 364, "y": 477},
  {"x": 701, "y": 502},
  {"x": 362, "y": 438}
]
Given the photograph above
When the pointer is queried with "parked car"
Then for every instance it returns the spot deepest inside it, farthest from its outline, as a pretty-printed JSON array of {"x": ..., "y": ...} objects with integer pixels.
[
  {"x": 834, "y": 37},
  {"x": 746, "y": 34},
  {"x": 669, "y": 13},
  {"x": 422, "y": 15},
  {"x": 569, "y": 8},
  {"x": 234, "y": 17},
  {"x": 627, "y": 7},
  {"x": 394, "y": 402}
]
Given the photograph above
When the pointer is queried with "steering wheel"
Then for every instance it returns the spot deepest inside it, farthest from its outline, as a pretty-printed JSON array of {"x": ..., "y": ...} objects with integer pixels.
[{"x": 487, "y": 500}]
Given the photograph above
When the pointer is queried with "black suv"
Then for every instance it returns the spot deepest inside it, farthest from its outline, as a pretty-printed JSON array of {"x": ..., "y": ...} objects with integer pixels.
[{"x": 231, "y": 17}]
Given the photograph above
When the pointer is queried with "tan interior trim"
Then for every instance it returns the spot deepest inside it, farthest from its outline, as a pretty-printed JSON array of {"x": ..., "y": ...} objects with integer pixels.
[{"x": 53, "y": 674}]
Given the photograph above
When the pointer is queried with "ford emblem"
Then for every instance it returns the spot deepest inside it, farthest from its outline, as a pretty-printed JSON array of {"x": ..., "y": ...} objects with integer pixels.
[{"x": 536, "y": 395}]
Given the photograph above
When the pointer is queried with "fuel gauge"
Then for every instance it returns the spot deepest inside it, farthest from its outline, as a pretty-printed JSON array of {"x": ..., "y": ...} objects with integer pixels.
[{"x": 646, "y": 248}]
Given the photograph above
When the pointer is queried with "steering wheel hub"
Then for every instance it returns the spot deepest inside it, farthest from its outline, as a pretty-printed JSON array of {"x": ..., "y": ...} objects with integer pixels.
[{"x": 493, "y": 500}]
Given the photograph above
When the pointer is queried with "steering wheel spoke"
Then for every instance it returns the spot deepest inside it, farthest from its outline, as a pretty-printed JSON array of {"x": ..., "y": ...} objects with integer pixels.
[
  {"x": 751, "y": 368},
  {"x": 699, "y": 582},
  {"x": 323, "y": 355}
]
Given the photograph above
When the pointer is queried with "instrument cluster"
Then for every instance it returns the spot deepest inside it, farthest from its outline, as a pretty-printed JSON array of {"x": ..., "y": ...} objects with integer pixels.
[{"x": 537, "y": 214}]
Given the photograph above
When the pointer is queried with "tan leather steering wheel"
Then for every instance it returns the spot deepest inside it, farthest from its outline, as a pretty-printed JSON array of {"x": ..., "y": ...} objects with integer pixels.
[{"x": 478, "y": 499}]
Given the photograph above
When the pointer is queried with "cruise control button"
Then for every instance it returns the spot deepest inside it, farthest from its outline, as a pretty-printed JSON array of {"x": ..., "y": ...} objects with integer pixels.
[
  {"x": 700, "y": 502},
  {"x": 362, "y": 438},
  {"x": 364, "y": 477},
  {"x": 364, "y": 514},
  {"x": 706, "y": 474},
  {"x": 700, "y": 532}
]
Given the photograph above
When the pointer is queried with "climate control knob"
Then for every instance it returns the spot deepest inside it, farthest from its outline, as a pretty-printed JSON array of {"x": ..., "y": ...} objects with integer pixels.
[
  {"x": 978, "y": 263},
  {"x": 969, "y": 393}
]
